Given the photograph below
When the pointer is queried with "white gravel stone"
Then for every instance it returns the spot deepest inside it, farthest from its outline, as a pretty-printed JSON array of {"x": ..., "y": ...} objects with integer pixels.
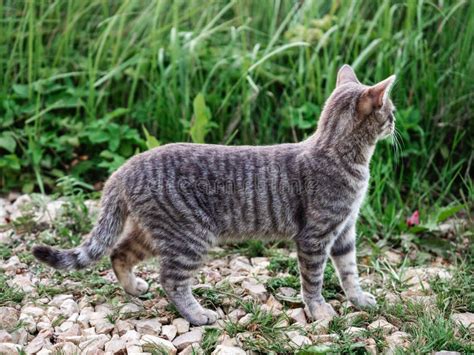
[
  {"x": 69, "y": 307},
  {"x": 103, "y": 308},
  {"x": 417, "y": 277},
  {"x": 10, "y": 349},
  {"x": 12, "y": 265},
  {"x": 85, "y": 314},
  {"x": 260, "y": 263},
  {"x": 37, "y": 344},
  {"x": 182, "y": 341},
  {"x": 97, "y": 317},
  {"x": 5, "y": 337},
  {"x": 355, "y": 331},
  {"x": 356, "y": 316},
  {"x": 20, "y": 336},
  {"x": 148, "y": 326},
  {"x": 297, "y": 339},
  {"x": 325, "y": 338},
  {"x": 272, "y": 306},
  {"x": 65, "y": 348},
  {"x": 392, "y": 257},
  {"x": 445, "y": 352},
  {"x": 58, "y": 300},
  {"x": 130, "y": 308},
  {"x": 28, "y": 323},
  {"x": 44, "y": 352},
  {"x": 51, "y": 211},
  {"x": 33, "y": 311},
  {"x": 228, "y": 350},
  {"x": 93, "y": 342},
  {"x": 122, "y": 326},
  {"x": 318, "y": 327},
  {"x": 297, "y": 315},
  {"x": 135, "y": 350},
  {"x": 193, "y": 349},
  {"x": 23, "y": 282},
  {"x": 371, "y": 346},
  {"x": 104, "y": 327},
  {"x": 233, "y": 280},
  {"x": 64, "y": 327},
  {"x": 236, "y": 314},
  {"x": 169, "y": 331},
  {"x": 115, "y": 344},
  {"x": 132, "y": 337},
  {"x": 255, "y": 289},
  {"x": 397, "y": 340},
  {"x": 181, "y": 324},
  {"x": 8, "y": 317},
  {"x": 464, "y": 319},
  {"x": 152, "y": 341},
  {"x": 74, "y": 330},
  {"x": 245, "y": 320},
  {"x": 382, "y": 324},
  {"x": 240, "y": 263}
]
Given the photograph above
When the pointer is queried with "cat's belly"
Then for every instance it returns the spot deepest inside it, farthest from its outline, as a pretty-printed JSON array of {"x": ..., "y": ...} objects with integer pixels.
[{"x": 241, "y": 237}]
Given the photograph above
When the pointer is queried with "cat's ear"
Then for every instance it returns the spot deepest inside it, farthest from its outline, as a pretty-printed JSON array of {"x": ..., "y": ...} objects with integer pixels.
[
  {"x": 375, "y": 96},
  {"x": 346, "y": 75}
]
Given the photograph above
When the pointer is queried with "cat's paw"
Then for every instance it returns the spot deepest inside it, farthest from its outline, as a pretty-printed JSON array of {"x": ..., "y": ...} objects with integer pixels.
[
  {"x": 321, "y": 311},
  {"x": 363, "y": 300},
  {"x": 204, "y": 317},
  {"x": 139, "y": 287}
]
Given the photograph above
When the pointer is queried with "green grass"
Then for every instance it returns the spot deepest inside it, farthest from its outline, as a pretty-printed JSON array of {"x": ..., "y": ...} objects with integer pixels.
[
  {"x": 9, "y": 295},
  {"x": 85, "y": 85}
]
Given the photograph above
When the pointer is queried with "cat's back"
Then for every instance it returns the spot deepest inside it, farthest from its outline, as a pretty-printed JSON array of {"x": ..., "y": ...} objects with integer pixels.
[{"x": 206, "y": 160}]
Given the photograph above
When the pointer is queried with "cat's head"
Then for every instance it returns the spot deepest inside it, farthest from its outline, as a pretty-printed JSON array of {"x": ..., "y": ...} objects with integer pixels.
[{"x": 355, "y": 108}]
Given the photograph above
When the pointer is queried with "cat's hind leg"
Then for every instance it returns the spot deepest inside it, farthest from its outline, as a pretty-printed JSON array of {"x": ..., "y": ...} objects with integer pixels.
[
  {"x": 180, "y": 256},
  {"x": 133, "y": 248}
]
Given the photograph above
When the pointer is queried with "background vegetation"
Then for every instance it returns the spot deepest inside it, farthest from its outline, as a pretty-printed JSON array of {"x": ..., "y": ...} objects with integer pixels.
[{"x": 87, "y": 84}]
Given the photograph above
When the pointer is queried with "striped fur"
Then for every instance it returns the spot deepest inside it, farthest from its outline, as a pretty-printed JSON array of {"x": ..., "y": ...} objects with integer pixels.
[{"x": 178, "y": 200}]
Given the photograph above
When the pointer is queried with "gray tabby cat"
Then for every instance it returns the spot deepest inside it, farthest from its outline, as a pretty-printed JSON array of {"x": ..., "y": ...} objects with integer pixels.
[{"x": 181, "y": 199}]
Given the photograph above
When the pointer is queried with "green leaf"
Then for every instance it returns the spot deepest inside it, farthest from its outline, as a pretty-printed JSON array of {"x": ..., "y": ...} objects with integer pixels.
[
  {"x": 113, "y": 162},
  {"x": 36, "y": 152},
  {"x": 151, "y": 142},
  {"x": 115, "y": 113},
  {"x": 7, "y": 142},
  {"x": 114, "y": 136},
  {"x": 434, "y": 244},
  {"x": 21, "y": 90},
  {"x": 447, "y": 212},
  {"x": 315, "y": 350},
  {"x": 202, "y": 117},
  {"x": 98, "y": 136},
  {"x": 10, "y": 161}
]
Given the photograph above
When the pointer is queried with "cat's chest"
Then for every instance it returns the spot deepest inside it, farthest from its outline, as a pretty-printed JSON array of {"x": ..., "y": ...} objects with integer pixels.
[{"x": 359, "y": 195}]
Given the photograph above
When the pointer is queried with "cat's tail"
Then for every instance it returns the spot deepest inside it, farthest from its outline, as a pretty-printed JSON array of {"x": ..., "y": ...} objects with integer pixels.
[{"x": 103, "y": 237}]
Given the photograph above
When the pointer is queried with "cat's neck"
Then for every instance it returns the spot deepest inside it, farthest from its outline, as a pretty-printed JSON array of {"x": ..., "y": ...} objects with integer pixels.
[{"x": 354, "y": 149}]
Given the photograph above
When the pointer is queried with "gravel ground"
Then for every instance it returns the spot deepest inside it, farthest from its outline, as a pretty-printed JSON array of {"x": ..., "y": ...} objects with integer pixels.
[{"x": 47, "y": 312}]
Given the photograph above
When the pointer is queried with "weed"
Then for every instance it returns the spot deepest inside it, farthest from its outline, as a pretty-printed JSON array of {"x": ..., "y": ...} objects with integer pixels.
[
  {"x": 433, "y": 332},
  {"x": 283, "y": 264},
  {"x": 9, "y": 295},
  {"x": 209, "y": 297},
  {"x": 264, "y": 332},
  {"x": 209, "y": 340},
  {"x": 284, "y": 281}
]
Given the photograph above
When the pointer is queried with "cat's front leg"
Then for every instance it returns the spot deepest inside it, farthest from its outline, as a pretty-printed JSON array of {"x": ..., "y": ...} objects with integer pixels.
[
  {"x": 312, "y": 257},
  {"x": 343, "y": 255}
]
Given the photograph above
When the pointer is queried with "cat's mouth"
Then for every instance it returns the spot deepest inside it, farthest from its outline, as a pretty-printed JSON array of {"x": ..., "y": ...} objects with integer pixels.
[{"x": 388, "y": 130}]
